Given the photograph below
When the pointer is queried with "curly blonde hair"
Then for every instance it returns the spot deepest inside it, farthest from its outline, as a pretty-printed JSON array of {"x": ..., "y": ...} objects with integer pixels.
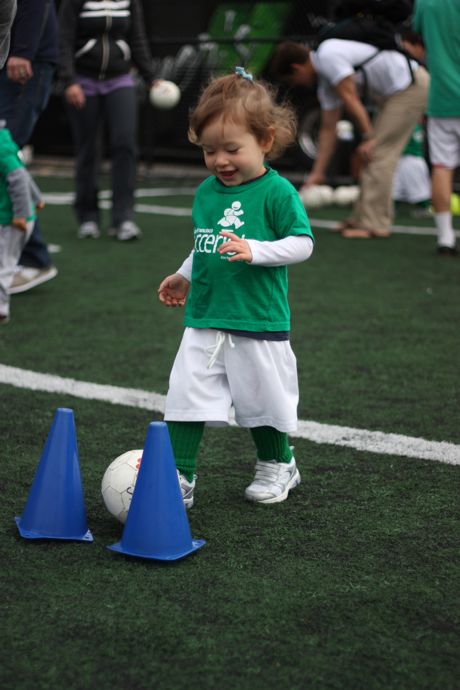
[{"x": 247, "y": 102}]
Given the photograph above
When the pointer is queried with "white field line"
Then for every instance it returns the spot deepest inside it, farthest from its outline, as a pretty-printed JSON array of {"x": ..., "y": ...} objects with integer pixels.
[
  {"x": 397, "y": 229},
  {"x": 67, "y": 198},
  {"x": 360, "y": 439}
]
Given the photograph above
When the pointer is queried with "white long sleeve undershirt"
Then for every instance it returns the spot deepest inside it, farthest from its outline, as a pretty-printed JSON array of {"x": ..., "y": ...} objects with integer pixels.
[{"x": 289, "y": 250}]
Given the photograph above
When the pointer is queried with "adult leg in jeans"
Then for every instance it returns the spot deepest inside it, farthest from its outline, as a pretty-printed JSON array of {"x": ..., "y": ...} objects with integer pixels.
[
  {"x": 86, "y": 130},
  {"x": 121, "y": 115},
  {"x": 20, "y": 106}
]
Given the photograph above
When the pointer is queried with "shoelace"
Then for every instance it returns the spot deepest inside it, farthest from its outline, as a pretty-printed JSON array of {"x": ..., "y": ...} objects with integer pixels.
[{"x": 214, "y": 350}]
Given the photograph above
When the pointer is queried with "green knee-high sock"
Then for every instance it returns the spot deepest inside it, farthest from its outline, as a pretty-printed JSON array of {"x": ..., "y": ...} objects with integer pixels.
[
  {"x": 185, "y": 441},
  {"x": 271, "y": 444}
]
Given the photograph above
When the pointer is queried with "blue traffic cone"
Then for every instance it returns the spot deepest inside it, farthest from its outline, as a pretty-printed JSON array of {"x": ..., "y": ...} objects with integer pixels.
[
  {"x": 55, "y": 507},
  {"x": 157, "y": 526}
]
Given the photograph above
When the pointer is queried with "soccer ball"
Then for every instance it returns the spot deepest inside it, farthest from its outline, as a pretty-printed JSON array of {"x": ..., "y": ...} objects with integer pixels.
[
  {"x": 164, "y": 94},
  {"x": 118, "y": 483},
  {"x": 346, "y": 195},
  {"x": 316, "y": 196}
]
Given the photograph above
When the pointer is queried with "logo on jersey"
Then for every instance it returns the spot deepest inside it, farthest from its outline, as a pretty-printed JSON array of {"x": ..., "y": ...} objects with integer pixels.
[
  {"x": 206, "y": 239},
  {"x": 231, "y": 216}
]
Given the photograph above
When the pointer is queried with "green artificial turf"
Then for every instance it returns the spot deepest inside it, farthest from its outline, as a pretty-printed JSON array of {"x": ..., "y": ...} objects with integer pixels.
[{"x": 351, "y": 584}]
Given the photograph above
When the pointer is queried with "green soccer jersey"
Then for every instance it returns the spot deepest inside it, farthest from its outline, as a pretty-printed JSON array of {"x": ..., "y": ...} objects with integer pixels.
[
  {"x": 438, "y": 21},
  {"x": 9, "y": 162},
  {"x": 237, "y": 295}
]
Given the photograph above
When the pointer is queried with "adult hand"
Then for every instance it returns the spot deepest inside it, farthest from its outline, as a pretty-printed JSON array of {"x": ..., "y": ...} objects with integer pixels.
[
  {"x": 75, "y": 96},
  {"x": 314, "y": 178},
  {"x": 236, "y": 246},
  {"x": 19, "y": 69},
  {"x": 173, "y": 290},
  {"x": 365, "y": 151}
]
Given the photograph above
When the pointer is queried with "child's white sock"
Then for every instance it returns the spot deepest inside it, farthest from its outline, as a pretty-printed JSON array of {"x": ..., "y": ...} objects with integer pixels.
[{"x": 446, "y": 235}]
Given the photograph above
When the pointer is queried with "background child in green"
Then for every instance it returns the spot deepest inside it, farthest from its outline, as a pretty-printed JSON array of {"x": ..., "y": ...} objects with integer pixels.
[
  {"x": 411, "y": 182},
  {"x": 19, "y": 198},
  {"x": 249, "y": 224}
]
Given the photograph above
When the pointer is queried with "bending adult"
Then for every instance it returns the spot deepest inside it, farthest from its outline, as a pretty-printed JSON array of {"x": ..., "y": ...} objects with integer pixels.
[
  {"x": 100, "y": 42},
  {"x": 342, "y": 70}
]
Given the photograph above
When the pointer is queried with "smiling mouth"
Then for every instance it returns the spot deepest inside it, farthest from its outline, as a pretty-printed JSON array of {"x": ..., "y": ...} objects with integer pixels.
[{"x": 226, "y": 174}]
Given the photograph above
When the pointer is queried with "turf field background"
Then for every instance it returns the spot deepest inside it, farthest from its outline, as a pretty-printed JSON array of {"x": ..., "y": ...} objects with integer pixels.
[{"x": 350, "y": 584}]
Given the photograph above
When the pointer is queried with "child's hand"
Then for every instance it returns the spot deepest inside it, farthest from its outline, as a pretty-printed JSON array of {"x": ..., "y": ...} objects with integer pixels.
[
  {"x": 40, "y": 205},
  {"x": 173, "y": 290},
  {"x": 238, "y": 247},
  {"x": 20, "y": 224}
]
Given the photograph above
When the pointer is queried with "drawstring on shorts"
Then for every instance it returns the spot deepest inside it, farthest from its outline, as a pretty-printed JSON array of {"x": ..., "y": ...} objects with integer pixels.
[{"x": 214, "y": 350}]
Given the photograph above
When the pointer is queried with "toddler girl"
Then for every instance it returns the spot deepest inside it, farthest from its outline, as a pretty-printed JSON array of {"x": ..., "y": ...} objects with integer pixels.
[{"x": 249, "y": 224}]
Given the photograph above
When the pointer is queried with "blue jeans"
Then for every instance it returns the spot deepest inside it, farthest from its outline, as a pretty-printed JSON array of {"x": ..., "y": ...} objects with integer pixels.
[{"x": 21, "y": 106}]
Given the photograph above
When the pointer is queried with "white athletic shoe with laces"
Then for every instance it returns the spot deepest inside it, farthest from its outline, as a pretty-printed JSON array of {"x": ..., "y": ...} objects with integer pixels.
[
  {"x": 88, "y": 230},
  {"x": 128, "y": 231},
  {"x": 186, "y": 488},
  {"x": 273, "y": 481}
]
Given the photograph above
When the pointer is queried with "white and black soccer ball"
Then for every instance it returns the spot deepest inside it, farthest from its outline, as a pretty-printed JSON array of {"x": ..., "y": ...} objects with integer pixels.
[{"x": 119, "y": 481}]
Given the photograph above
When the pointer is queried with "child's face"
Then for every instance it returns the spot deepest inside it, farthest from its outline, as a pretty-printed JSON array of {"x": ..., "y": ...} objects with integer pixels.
[{"x": 232, "y": 153}]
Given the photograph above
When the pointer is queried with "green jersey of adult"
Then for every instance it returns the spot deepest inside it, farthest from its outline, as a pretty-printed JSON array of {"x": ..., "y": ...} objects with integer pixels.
[
  {"x": 438, "y": 21},
  {"x": 237, "y": 295}
]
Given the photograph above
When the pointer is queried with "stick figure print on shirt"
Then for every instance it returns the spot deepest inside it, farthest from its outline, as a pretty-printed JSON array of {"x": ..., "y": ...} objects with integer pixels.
[{"x": 231, "y": 216}]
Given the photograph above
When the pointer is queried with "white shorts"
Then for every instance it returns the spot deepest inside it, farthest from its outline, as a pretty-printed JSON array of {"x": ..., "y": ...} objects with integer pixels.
[
  {"x": 411, "y": 182},
  {"x": 12, "y": 242},
  {"x": 444, "y": 141},
  {"x": 214, "y": 371}
]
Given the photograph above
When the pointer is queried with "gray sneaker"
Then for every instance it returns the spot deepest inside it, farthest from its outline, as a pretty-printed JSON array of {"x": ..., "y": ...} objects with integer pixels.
[
  {"x": 26, "y": 278},
  {"x": 88, "y": 230},
  {"x": 186, "y": 488},
  {"x": 128, "y": 230},
  {"x": 273, "y": 481}
]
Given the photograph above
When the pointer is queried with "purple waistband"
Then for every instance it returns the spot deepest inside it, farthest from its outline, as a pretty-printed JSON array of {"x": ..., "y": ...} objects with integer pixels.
[{"x": 96, "y": 87}]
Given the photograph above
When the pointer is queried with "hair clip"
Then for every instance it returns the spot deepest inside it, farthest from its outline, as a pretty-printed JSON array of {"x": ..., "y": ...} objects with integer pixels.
[{"x": 241, "y": 72}]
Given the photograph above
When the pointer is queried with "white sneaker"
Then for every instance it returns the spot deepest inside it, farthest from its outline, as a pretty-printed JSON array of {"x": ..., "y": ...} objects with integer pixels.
[
  {"x": 128, "y": 231},
  {"x": 89, "y": 229},
  {"x": 186, "y": 488},
  {"x": 273, "y": 481},
  {"x": 26, "y": 278}
]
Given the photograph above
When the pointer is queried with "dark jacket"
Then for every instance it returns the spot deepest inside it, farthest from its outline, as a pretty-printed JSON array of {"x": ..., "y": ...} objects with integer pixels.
[
  {"x": 102, "y": 43},
  {"x": 34, "y": 35}
]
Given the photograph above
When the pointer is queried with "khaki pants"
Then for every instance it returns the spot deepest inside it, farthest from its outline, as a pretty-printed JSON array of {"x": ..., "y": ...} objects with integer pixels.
[{"x": 393, "y": 126}]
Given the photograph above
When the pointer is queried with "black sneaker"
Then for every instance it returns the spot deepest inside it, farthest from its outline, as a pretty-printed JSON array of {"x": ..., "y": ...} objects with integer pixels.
[{"x": 447, "y": 251}]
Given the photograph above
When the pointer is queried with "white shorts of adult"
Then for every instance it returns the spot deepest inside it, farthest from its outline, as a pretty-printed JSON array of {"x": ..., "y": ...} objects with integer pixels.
[
  {"x": 444, "y": 141},
  {"x": 214, "y": 371}
]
